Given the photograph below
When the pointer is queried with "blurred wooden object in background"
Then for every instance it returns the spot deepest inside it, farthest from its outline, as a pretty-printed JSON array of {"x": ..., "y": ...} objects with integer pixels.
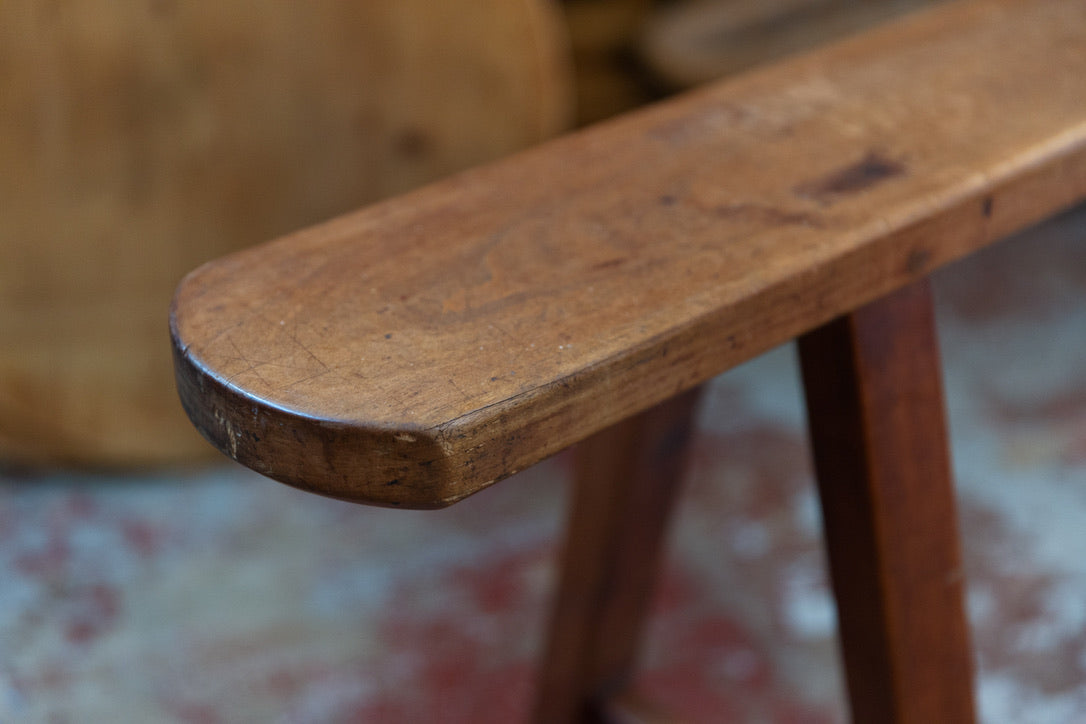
[
  {"x": 140, "y": 139},
  {"x": 691, "y": 42},
  {"x": 629, "y": 52},
  {"x": 603, "y": 37}
]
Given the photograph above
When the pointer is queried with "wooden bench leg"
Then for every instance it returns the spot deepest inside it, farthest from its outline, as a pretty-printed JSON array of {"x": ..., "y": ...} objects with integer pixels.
[
  {"x": 626, "y": 482},
  {"x": 875, "y": 409}
]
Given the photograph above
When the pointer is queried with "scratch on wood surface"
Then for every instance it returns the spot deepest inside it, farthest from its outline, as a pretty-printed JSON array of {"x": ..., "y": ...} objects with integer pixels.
[
  {"x": 748, "y": 211},
  {"x": 459, "y": 389},
  {"x": 242, "y": 358},
  {"x": 294, "y": 338},
  {"x": 309, "y": 378},
  {"x": 231, "y": 434}
]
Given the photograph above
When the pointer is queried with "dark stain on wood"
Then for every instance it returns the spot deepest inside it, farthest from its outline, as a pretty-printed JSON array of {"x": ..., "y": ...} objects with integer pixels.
[
  {"x": 872, "y": 169},
  {"x": 917, "y": 261},
  {"x": 413, "y": 143}
]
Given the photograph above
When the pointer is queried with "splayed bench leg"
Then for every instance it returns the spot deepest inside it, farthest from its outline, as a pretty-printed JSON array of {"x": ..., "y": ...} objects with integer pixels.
[
  {"x": 879, "y": 439},
  {"x": 627, "y": 479}
]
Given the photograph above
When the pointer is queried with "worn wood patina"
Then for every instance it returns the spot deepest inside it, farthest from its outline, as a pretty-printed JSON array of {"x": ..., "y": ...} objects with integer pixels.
[{"x": 419, "y": 350}]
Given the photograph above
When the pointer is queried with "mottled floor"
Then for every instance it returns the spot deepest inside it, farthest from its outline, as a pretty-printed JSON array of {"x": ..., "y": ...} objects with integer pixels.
[{"x": 217, "y": 596}]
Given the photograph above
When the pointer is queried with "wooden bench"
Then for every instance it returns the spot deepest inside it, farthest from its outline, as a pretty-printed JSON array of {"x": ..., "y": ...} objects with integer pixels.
[{"x": 417, "y": 351}]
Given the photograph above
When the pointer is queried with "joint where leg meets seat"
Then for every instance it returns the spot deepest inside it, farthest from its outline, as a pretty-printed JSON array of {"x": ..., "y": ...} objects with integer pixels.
[{"x": 422, "y": 349}]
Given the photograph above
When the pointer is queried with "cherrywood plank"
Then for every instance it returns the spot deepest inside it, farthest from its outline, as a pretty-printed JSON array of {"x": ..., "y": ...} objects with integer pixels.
[
  {"x": 878, "y": 433},
  {"x": 628, "y": 478},
  {"x": 421, "y": 349}
]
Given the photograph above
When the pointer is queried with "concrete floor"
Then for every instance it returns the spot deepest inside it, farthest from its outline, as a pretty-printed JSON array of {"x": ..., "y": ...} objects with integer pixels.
[{"x": 218, "y": 596}]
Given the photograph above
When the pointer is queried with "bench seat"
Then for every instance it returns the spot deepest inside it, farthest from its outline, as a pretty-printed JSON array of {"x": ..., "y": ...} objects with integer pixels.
[{"x": 419, "y": 350}]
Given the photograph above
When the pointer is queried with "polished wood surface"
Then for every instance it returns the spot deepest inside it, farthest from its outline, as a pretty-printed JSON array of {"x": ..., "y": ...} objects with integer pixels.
[
  {"x": 879, "y": 438},
  {"x": 140, "y": 139},
  {"x": 419, "y": 350}
]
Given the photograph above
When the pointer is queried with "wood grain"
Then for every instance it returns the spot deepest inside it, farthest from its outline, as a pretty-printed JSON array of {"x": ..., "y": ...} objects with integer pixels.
[
  {"x": 879, "y": 437},
  {"x": 628, "y": 478},
  {"x": 421, "y": 349},
  {"x": 140, "y": 139}
]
